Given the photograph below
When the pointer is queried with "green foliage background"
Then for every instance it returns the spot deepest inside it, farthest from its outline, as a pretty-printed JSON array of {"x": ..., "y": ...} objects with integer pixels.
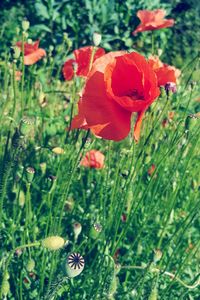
[{"x": 114, "y": 19}]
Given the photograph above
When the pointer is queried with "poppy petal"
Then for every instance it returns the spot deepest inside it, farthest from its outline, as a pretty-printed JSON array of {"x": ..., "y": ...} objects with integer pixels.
[
  {"x": 32, "y": 58},
  {"x": 137, "y": 127}
]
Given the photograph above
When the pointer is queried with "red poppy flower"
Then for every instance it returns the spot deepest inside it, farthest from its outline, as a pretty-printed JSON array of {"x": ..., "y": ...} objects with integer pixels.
[
  {"x": 93, "y": 159},
  {"x": 18, "y": 75},
  {"x": 82, "y": 59},
  {"x": 31, "y": 52},
  {"x": 165, "y": 73},
  {"x": 151, "y": 170},
  {"x": 152, "y": 20},
  {"x": 118, "y": 85},
  {"x": 68, "y": 69}
]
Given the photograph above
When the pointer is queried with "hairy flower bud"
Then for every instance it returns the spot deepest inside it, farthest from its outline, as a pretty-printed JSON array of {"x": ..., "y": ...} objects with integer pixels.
[
  {"x": 53, "y": 242},
  {"x": 31, "y": 265},
  {"x": 96, "y": 39},
  {"x": 25, "y": 25}
]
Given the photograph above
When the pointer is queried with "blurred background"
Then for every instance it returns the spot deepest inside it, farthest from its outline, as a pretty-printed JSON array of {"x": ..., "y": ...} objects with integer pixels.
[{"x": 114, "y": 19}]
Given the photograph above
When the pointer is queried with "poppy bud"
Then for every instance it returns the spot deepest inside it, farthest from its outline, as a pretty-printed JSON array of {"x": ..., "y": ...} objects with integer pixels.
[
  {"x": 117, "y": 268},
  {"x": 96, "y": 39},
  {"x": 5, "y": 287},
  {"x": 154, "y": 294},
  {"x": 69, "y": 204},
  {"x": 95, "y": 230},
  {"x": 53, "y": 242},
  {"x": 43, "y": 167},
  {"x": 58, "y": 150},
  {"x": 21, "y": 199},
  {"x": 51, "y": 182},
  {"x": 31, "y": 265},
  {"x": 25, "y": 25},
  {"x": 6, "y": 275},
  {"x": 25, "y": 126},
  {"x": 77, "y": 227},
  {"x": 75, "y": 264},
  {"x": 30, "y": 174},
  {"x": 157, "y": 255},
  {"x": 16, "y": 52}
]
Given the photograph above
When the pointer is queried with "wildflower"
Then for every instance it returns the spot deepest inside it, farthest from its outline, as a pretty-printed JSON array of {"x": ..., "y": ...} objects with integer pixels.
[
  {"x": 118, "y": 84},
  {"x": 18, "y": 75},
  {"x": 68, "y": 69},
  {"x": 151, "y": 170},
  {"x": 53, "y": 242},
  {"x": 170, "y": 87},
  {"x": 31, "y": 52},
  {"x": 152, "y": 20},
  {"x": 82, "y": 60},
  {"x": 93, "y": 159},
  {"x": 75, "y": 264},
  {"x": 165, "y": 73}
]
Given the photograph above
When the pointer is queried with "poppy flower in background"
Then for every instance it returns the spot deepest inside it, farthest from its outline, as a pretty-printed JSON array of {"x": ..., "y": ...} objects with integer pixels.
[
  {"x": 165, "y": 73},
  {"x": 18, "y": 75},
  {"x": 152, "y": 20},
  {"x": 117, "y": 85},
  {"x": 31, "y": 52},
  {"x": 93, "y": 159},
  {"x": 82, "y": 59},
  {"x": 68, "y": 69},
  {"x": 151, "y": 170}
]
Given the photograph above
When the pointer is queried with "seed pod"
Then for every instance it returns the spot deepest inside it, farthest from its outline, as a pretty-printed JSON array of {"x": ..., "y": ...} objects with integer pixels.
[
  {"x": 43, "y": 167},
  {"x": 25, "y": 126},
  {"x": 53, "y": 242},
  {"x": 5, "y": 288},
  {"x": 77, "y": 227},
  {"x": 31, "y": 265},
  {"x": 30, "y": 174},
  {"x": 75, "y": 264},
  {"x": 95, "y": 230}
]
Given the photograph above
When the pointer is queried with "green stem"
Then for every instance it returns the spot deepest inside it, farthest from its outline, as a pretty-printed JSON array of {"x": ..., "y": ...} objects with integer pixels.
[
  {"x": 23, "y": 75},
  {"x": 152, "y": 42}
]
